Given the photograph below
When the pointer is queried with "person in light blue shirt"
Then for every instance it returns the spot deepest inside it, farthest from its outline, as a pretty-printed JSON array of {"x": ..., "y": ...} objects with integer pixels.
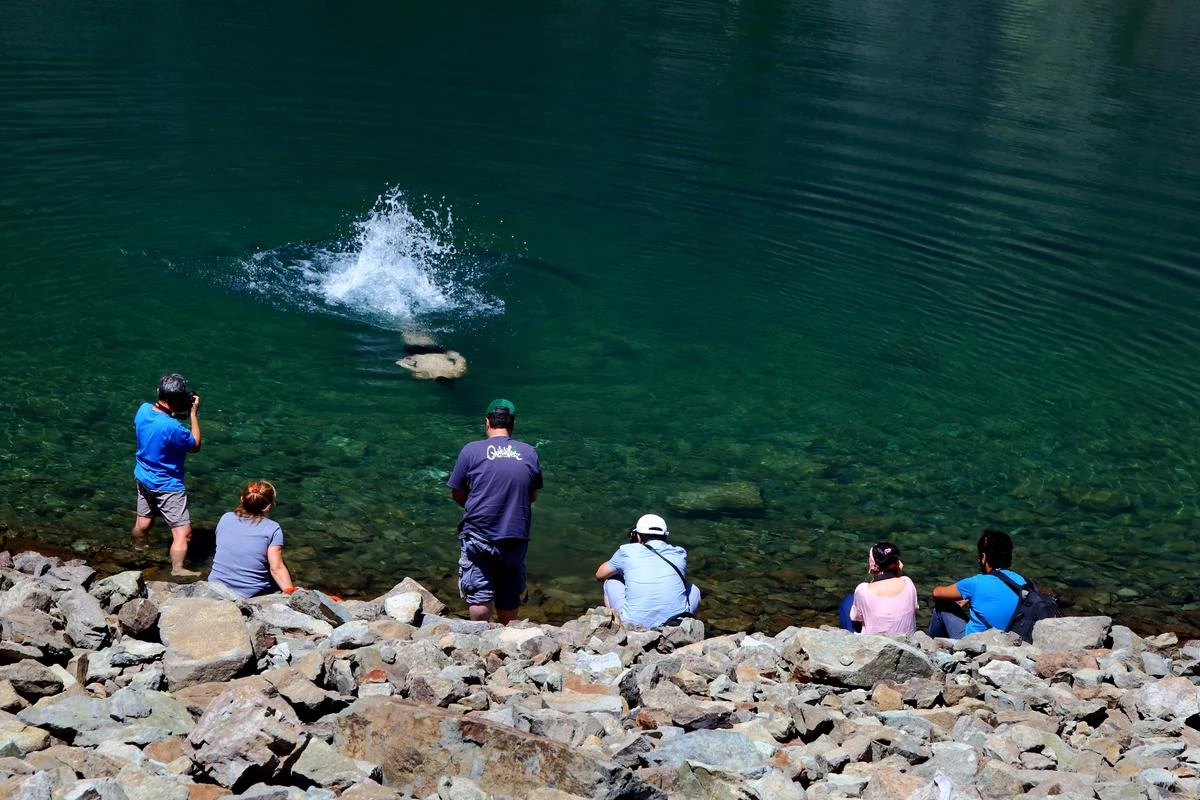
[
  {"x": 163, "y": 444},
  {"x": 980, "y": 602},
  {"x": 645, "y": 581},
  {"x": 249, "y": 557}
]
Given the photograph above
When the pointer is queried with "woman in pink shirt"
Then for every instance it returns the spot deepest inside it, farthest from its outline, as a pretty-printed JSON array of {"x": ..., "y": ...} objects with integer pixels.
[{"x": 888, "y": 602}]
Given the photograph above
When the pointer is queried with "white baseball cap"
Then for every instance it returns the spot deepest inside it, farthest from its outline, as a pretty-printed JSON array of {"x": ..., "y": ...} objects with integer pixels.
[{"x": 651, "y": 525}]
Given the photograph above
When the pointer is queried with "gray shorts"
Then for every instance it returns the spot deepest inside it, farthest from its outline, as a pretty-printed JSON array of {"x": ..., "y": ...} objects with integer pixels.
[
  {"x": 492, "y": 572},
  {"x": 171, "y": 506}
]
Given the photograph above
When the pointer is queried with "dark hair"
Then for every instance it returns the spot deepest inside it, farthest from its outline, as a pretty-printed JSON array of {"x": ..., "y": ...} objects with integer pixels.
[
  {"x": 173, "y": 390},
  {"x": 997, "y": 546},
  {"x": 500, "y": 418},
  {"x": 886, "y": 555}
]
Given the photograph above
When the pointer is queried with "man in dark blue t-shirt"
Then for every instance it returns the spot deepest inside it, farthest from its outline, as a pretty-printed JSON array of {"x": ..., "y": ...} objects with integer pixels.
[{"x": 495, "y": 480}]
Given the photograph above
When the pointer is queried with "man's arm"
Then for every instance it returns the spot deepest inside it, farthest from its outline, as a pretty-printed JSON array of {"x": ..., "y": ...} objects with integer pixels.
[
  {"x": 606, "y": 571},
  {"x": 947, "y": 592},
  {"x": 533, "y": 495},
  {"x": 460, "y": 496},
  {"x": 195, "y": 419}
]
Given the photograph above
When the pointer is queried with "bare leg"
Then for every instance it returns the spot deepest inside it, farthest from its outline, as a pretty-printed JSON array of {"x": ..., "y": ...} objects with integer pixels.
[
  {"x": 480, "y": 613},
  {"x": 181, "y": 535},
  {"x": 506, "y": 615},
  {"x": 141, "y": 531}
]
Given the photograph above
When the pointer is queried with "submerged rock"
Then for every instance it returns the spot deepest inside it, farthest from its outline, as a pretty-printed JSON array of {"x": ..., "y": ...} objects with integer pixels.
[
  {"x": 446, "y": 366},
  {"x": 738, "y": 497}
]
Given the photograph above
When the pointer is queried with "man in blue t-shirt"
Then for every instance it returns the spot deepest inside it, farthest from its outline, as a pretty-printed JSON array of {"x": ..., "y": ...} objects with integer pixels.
[
  {"x": 162, "y": 445},
  {"x": 645, "y": 581},
  {"x": 495, "y": 480},
  {"x": 981, "y": 601}
]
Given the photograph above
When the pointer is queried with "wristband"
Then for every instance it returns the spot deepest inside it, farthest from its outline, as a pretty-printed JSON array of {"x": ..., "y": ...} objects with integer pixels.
[{"x": 290, "y": 589}]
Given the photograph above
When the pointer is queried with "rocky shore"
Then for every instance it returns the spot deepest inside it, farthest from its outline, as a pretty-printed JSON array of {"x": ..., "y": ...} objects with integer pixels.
[{"x": 127, "y": 689}]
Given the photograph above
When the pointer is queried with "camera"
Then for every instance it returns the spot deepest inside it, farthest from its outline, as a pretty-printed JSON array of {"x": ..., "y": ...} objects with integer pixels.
[{"x": 181, "y": 402}]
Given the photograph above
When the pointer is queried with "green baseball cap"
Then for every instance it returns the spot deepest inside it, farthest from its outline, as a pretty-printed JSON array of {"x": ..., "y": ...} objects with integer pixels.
[{"x": 502, "y": 405}]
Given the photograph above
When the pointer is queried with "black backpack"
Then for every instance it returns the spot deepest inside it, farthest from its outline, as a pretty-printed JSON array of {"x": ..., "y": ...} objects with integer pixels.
[{"x": 1032, "y": 605}]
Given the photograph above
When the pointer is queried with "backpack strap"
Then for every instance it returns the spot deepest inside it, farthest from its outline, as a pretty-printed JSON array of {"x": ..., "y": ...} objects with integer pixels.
[
  {"x": 687, "y": 587},
  {"x": 1010, "y": 583}
]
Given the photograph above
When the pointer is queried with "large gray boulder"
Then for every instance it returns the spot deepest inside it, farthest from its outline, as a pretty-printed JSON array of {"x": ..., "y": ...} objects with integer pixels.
[
  {"x": 1071, "y": 633},
  {"x": 138, "y": 716},
  {"x": 85, "y": 622},
  {"x": 721, "y": 748},
  {"x": 133, "y": 715},
  {"x": 320, "y": 606},
  {"x": 243, "y": 736},
  {"x": 18, "y": 739},
  {"x": 323, "y": 766},
  {"x": 280, "y": 620},
  {"x": 416, "y": 746},
  {"x": 116, "y": 590},
  {"x": 1167, "y": 699},
  {"x": 33, "y": 633},
  {"x": 31, "y": 679},
  {"x": 851, "y": 659},
  {"x": 26, "y": 593},
  {"x": 67, "y": 715},
  {"x": 139, "y": 618},
  {"x": 206, "y": 641}
]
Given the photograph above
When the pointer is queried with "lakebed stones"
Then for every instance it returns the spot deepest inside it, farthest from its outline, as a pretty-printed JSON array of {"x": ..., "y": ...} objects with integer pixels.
[{"x": 734, "y": 498}]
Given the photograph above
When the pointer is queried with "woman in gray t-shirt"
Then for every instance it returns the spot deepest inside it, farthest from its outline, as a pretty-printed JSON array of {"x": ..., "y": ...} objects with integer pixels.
[{"x": 249, "y": 557}]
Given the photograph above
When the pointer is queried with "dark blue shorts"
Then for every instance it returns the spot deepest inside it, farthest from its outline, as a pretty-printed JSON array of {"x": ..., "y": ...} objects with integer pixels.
[{"x": 492, "y": 572}]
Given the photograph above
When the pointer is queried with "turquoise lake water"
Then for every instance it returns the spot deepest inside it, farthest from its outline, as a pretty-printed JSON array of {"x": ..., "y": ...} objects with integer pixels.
[{"x": 797, "y": 276}]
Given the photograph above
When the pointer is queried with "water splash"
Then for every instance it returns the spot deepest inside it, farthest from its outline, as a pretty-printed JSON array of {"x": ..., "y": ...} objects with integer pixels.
[{"x": 399, "y": 269}]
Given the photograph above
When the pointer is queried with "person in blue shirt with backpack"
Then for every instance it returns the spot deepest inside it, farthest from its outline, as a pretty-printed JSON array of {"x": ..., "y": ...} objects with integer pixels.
[
  {"x": 982, "y": 601},
  {"x": 645, "y": 581}
]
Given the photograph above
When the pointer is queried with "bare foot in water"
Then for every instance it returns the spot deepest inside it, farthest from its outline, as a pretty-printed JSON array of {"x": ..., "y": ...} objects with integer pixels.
[
  {"x": 141, "y": 541},
  {"x": 181, "y": 572}
]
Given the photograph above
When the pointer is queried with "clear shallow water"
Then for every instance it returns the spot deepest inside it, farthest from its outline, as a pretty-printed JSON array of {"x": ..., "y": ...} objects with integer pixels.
[{"x": 905, "y": 269}]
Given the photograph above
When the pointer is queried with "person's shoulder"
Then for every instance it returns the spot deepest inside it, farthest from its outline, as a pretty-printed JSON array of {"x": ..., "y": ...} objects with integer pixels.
[
  {"x": 525, "y": 447},
  {"x": 968, "y": 582}
]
